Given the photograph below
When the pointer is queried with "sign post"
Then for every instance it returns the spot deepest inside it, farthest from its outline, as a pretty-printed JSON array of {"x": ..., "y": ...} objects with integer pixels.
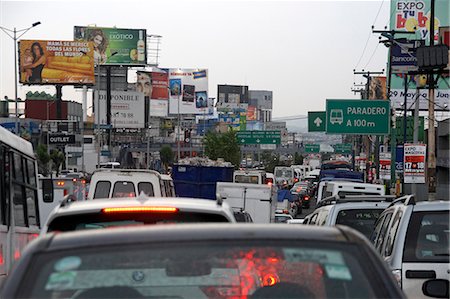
[{"x": 361, "y": 117}]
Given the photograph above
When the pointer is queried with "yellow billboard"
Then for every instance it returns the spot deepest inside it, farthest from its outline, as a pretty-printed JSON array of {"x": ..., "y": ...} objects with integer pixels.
[{"x": 56, "y": 62}]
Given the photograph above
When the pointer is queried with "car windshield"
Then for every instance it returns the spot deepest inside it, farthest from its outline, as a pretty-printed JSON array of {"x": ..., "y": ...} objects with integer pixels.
[
  {"x": 363, "y": 220},
  {"x": 103, "y": 220},
  {"x": 428, "y": 237},
  {"x": 202, "y": 270}
]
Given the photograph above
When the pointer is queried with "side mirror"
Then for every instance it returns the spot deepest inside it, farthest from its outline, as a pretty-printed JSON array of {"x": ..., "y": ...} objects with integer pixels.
[
  {"x": 437, "y": 288},
  {"x": 47, "y": 190}
]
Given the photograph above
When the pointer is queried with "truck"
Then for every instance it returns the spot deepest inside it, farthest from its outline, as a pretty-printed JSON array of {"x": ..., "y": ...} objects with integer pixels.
[
  {"x": 256, "y": 199},
  {"x": 250, "y": 176}
]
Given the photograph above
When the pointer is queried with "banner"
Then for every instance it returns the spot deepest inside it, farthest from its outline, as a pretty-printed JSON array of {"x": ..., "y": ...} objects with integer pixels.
[
  {"x": 155, "y": 87},
  {"x": 129, "y": 45},
  {"x": 385, "y": 166},
  {"x": 56, "y": 62},
  {"x": 414, "y": 16},
  {"x": 377, "y": 88},
  {"x": 127, "y": 109},
  {"x": 414, "y": 163},
  {"x": 251, "y": 113},
  {"x": 188, "y": 91}
]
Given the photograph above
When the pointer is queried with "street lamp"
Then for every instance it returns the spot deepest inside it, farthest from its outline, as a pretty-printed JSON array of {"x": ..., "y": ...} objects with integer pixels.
[{"x": 15, "y": 38}]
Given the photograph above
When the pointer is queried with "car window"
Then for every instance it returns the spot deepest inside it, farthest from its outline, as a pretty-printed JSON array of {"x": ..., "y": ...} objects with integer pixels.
[
  {"x": 102, "y": 189},
  {"x": 247, "y": 179},
  {"x": 123, "y": 189},
  {"x": 383, "y": 231},
  {"x": 147, "y": 188},
  {"x": 362, "y": 220},
  {"x": 392, "y": 232},
  {"x": 204, "y": 270},
  {"x": 427, "y": 237},
  {"x": 313, "y": 219}
]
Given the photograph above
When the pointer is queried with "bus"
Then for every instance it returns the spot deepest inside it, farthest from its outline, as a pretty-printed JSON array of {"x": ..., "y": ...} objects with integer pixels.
[{"x": 19, "y": 207}]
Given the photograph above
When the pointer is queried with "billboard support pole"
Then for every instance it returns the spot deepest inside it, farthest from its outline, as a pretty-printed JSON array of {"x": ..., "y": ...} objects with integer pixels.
[
  {"x": 108, "y": 105},
  {"x": 405, "y": 111},
  {"x": 58, "y": 101},
  {"x": 431, "y": 130}
]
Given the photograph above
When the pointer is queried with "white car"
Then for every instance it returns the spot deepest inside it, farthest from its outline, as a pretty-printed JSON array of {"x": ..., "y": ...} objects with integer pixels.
[
  {"x": 282, "y": 218},
  {"x": 141, "y": 210}
]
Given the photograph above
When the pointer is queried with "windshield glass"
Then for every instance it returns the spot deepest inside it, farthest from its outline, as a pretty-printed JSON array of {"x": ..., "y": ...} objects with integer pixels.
[
  {"x": 363, "y": 220},
  {"x": 199, "y": 270},
  {"x": 247, "y": 179}
]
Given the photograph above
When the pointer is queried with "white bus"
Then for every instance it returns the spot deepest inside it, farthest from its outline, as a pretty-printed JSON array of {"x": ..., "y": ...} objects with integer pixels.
[{"x": 19, "y": 209}]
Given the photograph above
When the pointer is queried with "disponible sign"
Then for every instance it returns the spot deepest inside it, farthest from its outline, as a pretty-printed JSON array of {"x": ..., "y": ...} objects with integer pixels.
[
  {"x": 414, "y": 163},
  {"x": 61, "y": 139},
  {"x": 127, "y": 109}
]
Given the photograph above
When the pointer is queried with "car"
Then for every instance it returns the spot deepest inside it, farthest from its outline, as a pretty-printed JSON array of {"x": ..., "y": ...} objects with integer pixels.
[
  {"x": 143, "y": 210},
  {"x": 295, "y": 221},
  {"x": 202, "y": 261},
  {"x": 282, "y": 217},
  {"x": 413, "y": 238},
  {"x": 359, "y": 212}
]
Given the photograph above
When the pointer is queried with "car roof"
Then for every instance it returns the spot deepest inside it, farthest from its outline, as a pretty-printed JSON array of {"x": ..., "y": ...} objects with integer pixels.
[
  {"x": 193, "y": 232},
  {"x": 184, "y": 204},
  {"x": 432, "y": 205},
  {"x": 360, "y": 205}
]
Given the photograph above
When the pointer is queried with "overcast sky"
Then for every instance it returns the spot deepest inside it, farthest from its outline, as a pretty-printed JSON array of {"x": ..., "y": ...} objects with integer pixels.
[{"x": 303, "y": 51}]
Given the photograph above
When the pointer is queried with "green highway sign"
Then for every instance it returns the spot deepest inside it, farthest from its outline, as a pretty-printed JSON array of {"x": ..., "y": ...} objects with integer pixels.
[
  {"x": 362, "y": 117},
  {"x": 259, "y": 137},
  {"x": 343, "y": 148},
  {"x": 312, "y": 148},
  {"x": 316, "y": 121}
]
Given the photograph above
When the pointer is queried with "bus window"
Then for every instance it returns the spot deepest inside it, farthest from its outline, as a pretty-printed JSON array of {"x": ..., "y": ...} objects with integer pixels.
[
  {"x": 19, "y": 212},
  {"x": 31, "y": 207},
  {"x": 47, "y": 190}
]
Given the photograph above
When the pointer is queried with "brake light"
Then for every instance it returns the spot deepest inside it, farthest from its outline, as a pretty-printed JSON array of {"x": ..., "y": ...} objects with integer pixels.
[
  {"x": 140, "y": 209},
  {"x": 60, "y": 183},
  {"x": 270, "y": 184},
  {"x": 296, "y": 180},
  {"x": 270, "y": 280},
  {"x": 306, "y": 198},
  {"x": 74, "y": 180},
  {"x": 2, "y": 261},
  {"x": 16, "y": 254}
]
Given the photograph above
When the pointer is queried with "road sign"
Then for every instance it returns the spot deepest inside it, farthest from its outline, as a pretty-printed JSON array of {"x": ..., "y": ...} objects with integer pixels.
[
  {"x": 343, "y": 148},
  {"x": 259, "y": 137},
  {"x": 316, "y": 121},
  {"x": 362, "y": 117},
  {"x": 312, "y": 148}
]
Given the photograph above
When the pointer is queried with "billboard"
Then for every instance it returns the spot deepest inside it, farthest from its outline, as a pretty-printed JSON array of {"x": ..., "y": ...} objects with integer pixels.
[
  {"x": 56, "y": 62},
  {"x": 155, "y": 87},
  {"x": 414, "y": 16},
  {"x": 127, "y": 109},
  {"x": 232, "y": 98},
  {"x": 130, "y": 45},
  {"x": 188, "y": 91},
  {"x": 414, "y": 163},
  {"x": 377, "y": 88}
]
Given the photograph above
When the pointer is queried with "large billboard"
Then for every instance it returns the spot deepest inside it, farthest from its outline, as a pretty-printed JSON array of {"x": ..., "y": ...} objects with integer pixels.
[
  {"x": 232, "y": 98},
  {"x": 56, "y": 62},
  {"x": 414, "y": 16},
  {"x": 155, "y": 87},
  {"x": 129, "y": 45},
  {"x": 127, "y": 109},
  {"x": 377, "y": 88},
  {"x": 188, "y": 91}
]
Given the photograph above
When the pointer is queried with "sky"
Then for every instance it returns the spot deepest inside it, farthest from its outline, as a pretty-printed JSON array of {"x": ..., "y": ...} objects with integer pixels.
[{"x": 303, "y": 51}]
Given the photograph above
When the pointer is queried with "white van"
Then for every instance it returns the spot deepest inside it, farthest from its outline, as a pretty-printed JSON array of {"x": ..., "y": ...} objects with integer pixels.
[
  {"x": 342, "y": 188},
  {"x": 111, "y": 183},
  {"x": 249, "y": 176}
]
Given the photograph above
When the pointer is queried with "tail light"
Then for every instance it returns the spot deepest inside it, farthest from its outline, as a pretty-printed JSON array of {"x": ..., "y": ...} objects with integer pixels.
[
  {"x": 398, "y": 276},
  {"x": 296, "y": 180},
  {"x": 306, "y": 198},
  {"x": 60, "y": 183},
  {"x": 140, "y": 210},
  {"x": 270, "y": 279}
]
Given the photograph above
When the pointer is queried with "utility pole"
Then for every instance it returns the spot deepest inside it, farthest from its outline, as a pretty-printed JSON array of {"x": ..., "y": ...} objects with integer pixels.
[{"x": 431, "y": 130}]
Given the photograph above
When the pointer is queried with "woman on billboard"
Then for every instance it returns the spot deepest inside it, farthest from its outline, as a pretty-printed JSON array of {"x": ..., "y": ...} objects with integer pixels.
[
  {"x": 39, "y": 60},
  {"x": 100, "y": 44}
]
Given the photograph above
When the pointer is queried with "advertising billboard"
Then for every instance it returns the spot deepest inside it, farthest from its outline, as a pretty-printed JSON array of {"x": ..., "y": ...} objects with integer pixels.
[
  {"x": 129, "y": 45},
  {"x": 414, "y": 163},
  {"x": 56, "y": 62},
  {"x": 232, "y": 98},
  {"x": 127, "y": 109},
  {"x": 155, "y": 87},
  {"x": 188, "y": 91},
  {"x": 414, "y": 16},
  {"x": 377, "y": 88}
]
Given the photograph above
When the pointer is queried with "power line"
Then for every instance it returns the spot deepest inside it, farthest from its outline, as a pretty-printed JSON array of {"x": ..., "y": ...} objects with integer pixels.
[{"x": 373, "y": 53}]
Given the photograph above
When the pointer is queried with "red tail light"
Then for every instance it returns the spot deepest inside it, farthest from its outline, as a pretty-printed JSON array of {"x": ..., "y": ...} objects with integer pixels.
[
  {"x": 270, "y": 279},
  {"x": 16, "y": 254},
  {"x": 2, "y": 261},
  {"x": 296, "y": 180},
  {"x": 306, "y": 198},
  {"x": 140, "y": 210}
]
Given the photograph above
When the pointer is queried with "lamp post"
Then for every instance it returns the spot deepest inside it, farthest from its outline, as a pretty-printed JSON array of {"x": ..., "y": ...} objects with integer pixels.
[{"x": 15, "y": 38}]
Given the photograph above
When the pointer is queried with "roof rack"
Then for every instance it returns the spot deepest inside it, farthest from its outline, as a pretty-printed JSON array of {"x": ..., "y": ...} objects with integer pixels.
[
  {"x": 354, "y": 198},
  {"x": 406, "y": 200}
]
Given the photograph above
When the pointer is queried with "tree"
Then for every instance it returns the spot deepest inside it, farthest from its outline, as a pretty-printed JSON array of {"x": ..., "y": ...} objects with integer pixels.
[
  {"x": 270, "y": 160},
  {"x": 58, "y": 159},
  {"x": 223, "y": 145},
  {"x": 43, "y": 159},
  {"x": 298, "y": 159},
  {"x": 167, "y": 156}
]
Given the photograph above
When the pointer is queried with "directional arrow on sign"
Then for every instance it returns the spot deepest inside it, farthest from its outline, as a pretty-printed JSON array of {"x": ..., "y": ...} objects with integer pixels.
[
  {"x": 258, "y": 141},
  {"x": 317, "y": 121},
  {"x": 242, "y": 140}
]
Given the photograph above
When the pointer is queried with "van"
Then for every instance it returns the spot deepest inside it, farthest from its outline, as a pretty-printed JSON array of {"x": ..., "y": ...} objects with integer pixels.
[
  {"x": 110, "y": 165},
  {"x": 249, "y": 176},
  {"x": 112, "y": 183},
  {"x": 342, "y": 188}
]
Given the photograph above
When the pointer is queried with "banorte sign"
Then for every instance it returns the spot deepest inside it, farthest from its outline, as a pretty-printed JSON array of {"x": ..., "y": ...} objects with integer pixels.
[{"x": 61, "y": 139}]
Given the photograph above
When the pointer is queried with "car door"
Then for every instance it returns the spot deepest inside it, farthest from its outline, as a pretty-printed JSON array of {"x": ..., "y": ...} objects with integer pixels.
[{"x": 426, "y": 252}]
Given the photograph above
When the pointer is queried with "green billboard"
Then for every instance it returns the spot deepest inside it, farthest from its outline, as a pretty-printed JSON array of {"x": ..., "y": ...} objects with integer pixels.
[
  {"x": 362, "y": 117},
  {"x": 113, "y": 46}
]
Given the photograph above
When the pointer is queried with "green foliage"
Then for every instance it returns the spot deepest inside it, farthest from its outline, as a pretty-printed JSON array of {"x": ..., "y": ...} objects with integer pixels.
[
  {"x": 298, "y": 159},
  {"x": 223, "y": 145},
  {"x": 167, "y": 155},
  {"x": 58, "y": 159},
  {"x": 270, "y": 160},
  {"x": 43, "y": 159}
]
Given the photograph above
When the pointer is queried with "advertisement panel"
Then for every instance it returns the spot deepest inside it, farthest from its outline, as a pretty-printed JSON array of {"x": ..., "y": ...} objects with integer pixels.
[
  {"x": 377, "y": 88},
  {"x": 61, "y": 139},
  {"x": 385, "y": 166},
  {"x": 127, "y": 109},
  {"x": 251, "y": 113},
  {"x": 414, "y": 16},
  {"x": 56, "y": 62},
  {"x": 404, "y": 57},
  {"x": 130, "y": 45},
  {"x": 414, "y": 163},
  {"x": 188, "y": 91},
  {"x": 155, "y": 87}
]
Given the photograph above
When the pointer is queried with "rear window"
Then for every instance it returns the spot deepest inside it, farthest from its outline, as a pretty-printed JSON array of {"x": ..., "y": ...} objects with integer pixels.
[
  {"x": 246, "y": 179},
  {"x": 213, "y": 269},
  {"x": 362, "y": 220},
  {"x": 123, "y": 189},
  {"x": 100, "y": 220},
  {"x": 102, "y": 189},
  {"x": 427, "y": 237},
  {"x": 147, "y": 188}
]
